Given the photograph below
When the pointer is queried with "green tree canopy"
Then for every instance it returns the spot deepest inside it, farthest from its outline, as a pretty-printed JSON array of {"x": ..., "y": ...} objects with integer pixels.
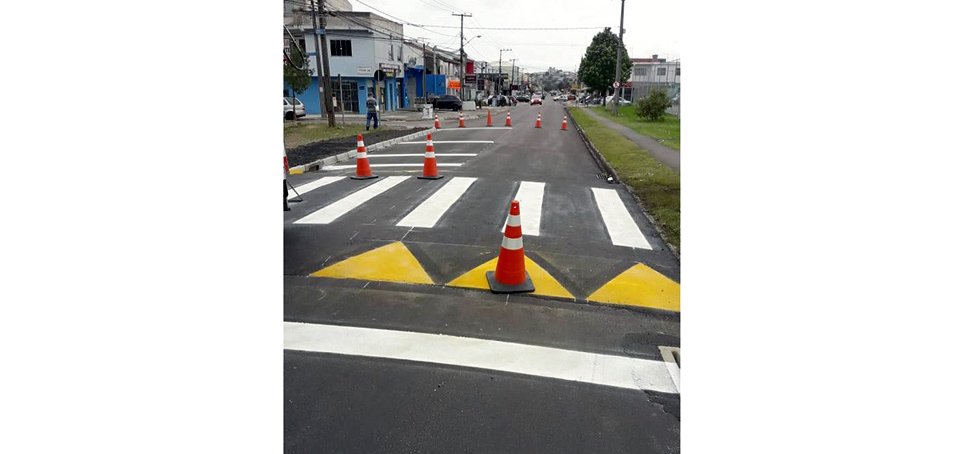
[
  {"x": 297, "y": 79},
  {"x": 597, "y": 69}
]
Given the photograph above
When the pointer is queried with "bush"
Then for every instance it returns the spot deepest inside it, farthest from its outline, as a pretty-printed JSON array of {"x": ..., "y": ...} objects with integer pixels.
[{"x": 653, "y": 106}]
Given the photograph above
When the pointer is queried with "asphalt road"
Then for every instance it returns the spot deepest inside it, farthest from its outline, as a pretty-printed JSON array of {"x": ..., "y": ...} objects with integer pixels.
[{"x": 582, "y": 231}]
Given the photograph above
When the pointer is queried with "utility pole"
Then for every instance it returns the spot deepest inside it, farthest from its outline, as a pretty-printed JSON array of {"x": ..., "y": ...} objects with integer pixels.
[
  {"x": 462, "y": 54},
  {"x": 323, "y": 77},
  {"x": 619, "y": 48},
  {"x": 512, "y": 77},
  {"x": 500, "y": 80}
]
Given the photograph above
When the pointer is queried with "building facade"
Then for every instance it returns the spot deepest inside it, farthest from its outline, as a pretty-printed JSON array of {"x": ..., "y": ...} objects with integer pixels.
[
  {"x": 654, "y": 72},
  {"x": 368, "y": 55}
]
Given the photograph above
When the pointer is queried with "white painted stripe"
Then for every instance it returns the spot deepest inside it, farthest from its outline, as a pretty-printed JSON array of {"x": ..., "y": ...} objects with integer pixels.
[
  {"x": 619, "y": 223},
  {"x": 672, "y": 368},
  {"x": 452, "y": 141},
  {"x": 341, "y": 207},
  {"x": 305, "y": 188},
  {"x": 530, "y": 206},
  {"x": 341, "y": 167},
  {"x": 512, "y": 244},
  {"x": 428, "y": 213},
  {"x": 405, "y": 155},
  {"x": 555, "y": 363}
]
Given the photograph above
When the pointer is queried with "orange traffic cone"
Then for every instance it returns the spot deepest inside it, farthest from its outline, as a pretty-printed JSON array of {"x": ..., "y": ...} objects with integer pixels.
[
  {"x": 510, "y": 275},
  {"x": 461, "y": 120},
  {"x": 488, "y": 120},
  {"x": 563, "y": 123},
  {"x": 363, "y": 165},
  {"x": 437, "y": 124},
  {"x": 508, "y": 119},
  {"x": 539, "y": 121},
  {"x": 430, "y": 163}
]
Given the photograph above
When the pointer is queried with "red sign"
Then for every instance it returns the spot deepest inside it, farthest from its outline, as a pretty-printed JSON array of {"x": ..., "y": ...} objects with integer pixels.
[
  {"x": 469, "y": 67},
  {"x": 454, "y": 83}
]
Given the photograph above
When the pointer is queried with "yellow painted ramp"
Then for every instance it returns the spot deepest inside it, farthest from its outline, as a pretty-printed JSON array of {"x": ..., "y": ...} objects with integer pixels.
[
  {"x": 390, "y": 263},
  {"x": 545, "y": 284},
  {"x": 640, "y": 286}
]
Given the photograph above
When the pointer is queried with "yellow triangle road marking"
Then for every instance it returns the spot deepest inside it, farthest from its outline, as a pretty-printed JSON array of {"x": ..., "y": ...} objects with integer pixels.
[
  {"x": 640, "y": 286},
  {"x": 545, "y": 284},
  {"x": 390, "y": 263}
]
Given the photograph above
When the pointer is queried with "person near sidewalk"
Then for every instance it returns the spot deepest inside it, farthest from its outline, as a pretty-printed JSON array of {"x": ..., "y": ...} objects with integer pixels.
[{"x": 371, "y": 111}]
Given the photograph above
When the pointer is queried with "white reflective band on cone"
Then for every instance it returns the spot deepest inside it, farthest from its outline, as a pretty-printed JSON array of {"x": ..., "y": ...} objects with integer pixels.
[
  {"x": 512, "y": 244},
  {"x": 361, "y": 155},
  {"x": 429, "y": 154},
  {"x": 514, "y": 221}
]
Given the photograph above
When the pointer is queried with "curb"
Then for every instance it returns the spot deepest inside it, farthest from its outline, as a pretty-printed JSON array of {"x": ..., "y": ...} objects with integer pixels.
[
  {"x": 346, "y": 156},
  {"x": 602, "y": 162}
]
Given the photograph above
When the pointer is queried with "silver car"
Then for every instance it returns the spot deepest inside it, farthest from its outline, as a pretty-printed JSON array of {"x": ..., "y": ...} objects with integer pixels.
[{"x": 289, "y": 111}]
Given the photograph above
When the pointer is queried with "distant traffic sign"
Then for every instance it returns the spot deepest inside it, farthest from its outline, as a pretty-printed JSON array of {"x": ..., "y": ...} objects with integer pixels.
[{"x": 616, "y": 84}]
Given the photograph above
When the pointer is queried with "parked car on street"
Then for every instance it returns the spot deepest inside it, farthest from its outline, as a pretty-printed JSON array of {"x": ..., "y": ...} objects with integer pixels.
[
  {"x": 288, "y": 108},
  {"x": 522, "y": 98},
  {"x": 535, "y": 100},
  {"x": 499, "y": 101},
  {"x": 447, "y": 102}
]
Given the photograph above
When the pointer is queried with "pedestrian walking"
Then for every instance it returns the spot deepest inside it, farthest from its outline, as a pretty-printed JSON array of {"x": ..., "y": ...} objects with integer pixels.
[{"x": 371, "y": 111}]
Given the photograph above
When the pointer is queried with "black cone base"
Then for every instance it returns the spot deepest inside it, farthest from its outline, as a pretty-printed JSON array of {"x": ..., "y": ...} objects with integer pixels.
[
  {"x": 497, "y": 287},
  {"x": 363, "y": 178},
  {"x": 431, "y": 178}
]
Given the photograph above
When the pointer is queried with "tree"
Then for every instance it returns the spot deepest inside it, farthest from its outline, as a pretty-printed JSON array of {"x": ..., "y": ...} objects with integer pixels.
[
  {"x": 297, "y": 79},
  {"x": 597, "y": 69}
]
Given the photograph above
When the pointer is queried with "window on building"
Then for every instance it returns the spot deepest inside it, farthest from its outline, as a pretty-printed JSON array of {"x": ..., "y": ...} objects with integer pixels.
[
  {"x": 303, "y": 45},
  {"x": 661, "y": 71},
  {"x": 640, "y": 71},
  {"x": 350, "y": 101},
  {"x": 677, "y": 72},
  {"x": 340, "y": 48}
]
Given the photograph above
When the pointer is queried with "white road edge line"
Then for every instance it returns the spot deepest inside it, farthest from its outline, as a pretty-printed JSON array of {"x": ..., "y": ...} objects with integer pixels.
[
  {"x": 428, "y": 213},
  {"x": 450, "y": 141},
  {"x": 354, "y": 166},
  {"x": 339, "y": 208},
  {"x": 305, "y": 188},
  {"x": 486, "y": 128},
  {"x": 594, "y": 368},
  {"x": 622, "y": 228},
  {"x": 530, "y": 206}
]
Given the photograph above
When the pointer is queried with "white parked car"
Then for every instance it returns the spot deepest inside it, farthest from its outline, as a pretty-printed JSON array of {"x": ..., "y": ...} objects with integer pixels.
[
  {"x": 623, "y": 102},
  {"x": 288, "y": 110}
]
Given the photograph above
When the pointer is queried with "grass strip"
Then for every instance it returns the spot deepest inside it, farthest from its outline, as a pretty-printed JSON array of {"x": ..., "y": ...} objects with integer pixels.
[
  {"x": 655, "y": 184},
  {"x": 666, "y": 131}
]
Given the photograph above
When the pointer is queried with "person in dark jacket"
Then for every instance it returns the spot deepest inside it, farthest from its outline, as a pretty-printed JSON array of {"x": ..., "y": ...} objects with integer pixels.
[{"x": 371, "y": 111}]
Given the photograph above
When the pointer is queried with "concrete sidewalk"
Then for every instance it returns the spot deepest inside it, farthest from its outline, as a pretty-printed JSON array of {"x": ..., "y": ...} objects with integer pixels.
[{"x": 668, "y": 156}]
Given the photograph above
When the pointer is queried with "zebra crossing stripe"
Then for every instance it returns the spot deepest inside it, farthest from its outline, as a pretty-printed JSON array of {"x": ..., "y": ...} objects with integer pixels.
[
  {"x": 530, "y": 202},
  {"x": 341, "y": 207},
  {"x": 621, "y": 226},
  {"x": 305, "y": 188},
  {"x": 428, "y": 213}
]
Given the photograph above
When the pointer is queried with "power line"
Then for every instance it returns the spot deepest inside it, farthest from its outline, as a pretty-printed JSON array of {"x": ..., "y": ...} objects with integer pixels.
[{"x": 512, "y": 28}]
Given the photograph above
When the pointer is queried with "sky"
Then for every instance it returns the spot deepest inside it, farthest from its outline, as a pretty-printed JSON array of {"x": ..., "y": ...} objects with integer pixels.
[{"x": 652, "y": 27}]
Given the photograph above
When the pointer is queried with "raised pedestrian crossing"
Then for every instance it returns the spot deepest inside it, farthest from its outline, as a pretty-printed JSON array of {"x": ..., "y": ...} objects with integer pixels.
[{"x": 427, "y": 207}]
